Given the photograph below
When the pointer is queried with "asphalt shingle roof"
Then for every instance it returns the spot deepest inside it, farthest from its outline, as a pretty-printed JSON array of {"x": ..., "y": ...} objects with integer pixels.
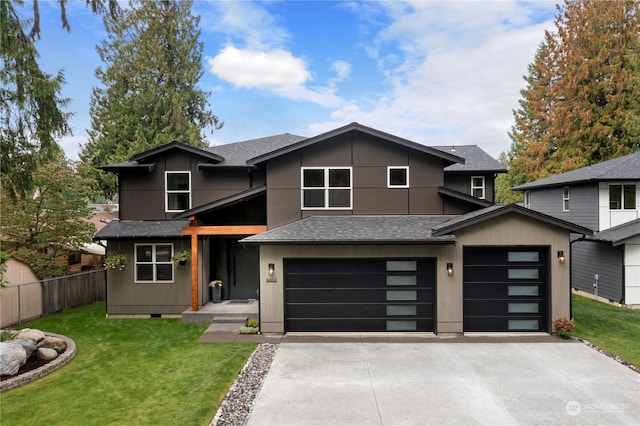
[
  {"x": 621, "y": 168},
  {"x": 124, "y": 229},
  {"x": 356, "y": 229},
  {"x": 237, "y": 154},
  {"x": 619, "y": 233},
  {"x": 476, "y": 160}
]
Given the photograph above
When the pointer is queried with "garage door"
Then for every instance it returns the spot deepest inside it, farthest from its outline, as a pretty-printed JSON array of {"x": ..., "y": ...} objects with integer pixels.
[
  {"x": 505, "y": 289},
  {"x": 359, "y": 294}
]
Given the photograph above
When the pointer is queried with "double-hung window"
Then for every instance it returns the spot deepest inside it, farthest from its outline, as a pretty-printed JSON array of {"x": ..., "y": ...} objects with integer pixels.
[
  {"x": 527, "y": 199},
  {"x": 326, "y": 188},
  {"x": 153, "y": 263},
  {"x": 177, "y": 191},
  {"x": 397, "y": 177},
  {"x": 566, "y": 197},
  {"x": 477, "y": 186},
  {"x": 622, "y": 197}
]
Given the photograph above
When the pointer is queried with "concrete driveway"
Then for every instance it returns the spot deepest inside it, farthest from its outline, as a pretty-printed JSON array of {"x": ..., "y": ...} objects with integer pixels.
[{"x": 446, "y": 383}]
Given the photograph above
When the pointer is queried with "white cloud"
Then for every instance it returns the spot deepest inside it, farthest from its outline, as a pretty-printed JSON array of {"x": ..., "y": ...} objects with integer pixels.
[{"x": 341, "y": 68}]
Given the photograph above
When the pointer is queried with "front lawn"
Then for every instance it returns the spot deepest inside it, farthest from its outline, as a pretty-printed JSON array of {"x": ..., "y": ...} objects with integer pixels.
[
  {"x": 613, "y": 329},
  {"x": 127, "y": 371}
]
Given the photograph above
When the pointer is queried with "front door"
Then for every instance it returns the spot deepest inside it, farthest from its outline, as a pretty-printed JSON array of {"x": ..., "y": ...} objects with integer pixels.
[{"x": 244, "y": 270}]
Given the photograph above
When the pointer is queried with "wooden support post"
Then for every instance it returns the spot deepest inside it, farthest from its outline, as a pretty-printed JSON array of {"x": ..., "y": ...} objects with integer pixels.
[{"x": 194, "y": 272}]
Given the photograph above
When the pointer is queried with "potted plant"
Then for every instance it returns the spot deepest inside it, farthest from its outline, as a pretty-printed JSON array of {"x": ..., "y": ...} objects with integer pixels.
[
  {"x": 116, "y": 260},
  {"x": 180, "y": 258},
  {"x": 563, "y": 326},
  {"x": 216, "y": 291}
]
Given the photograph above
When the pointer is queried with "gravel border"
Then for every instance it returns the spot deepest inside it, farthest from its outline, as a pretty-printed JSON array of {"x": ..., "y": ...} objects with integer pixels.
[{"x": 238, "y": 403}]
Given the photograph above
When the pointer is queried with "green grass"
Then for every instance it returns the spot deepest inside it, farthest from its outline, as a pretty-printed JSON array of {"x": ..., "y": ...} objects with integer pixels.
[
  {"x": 127, "y": 371},
  {"x": 613, "y": 329}
]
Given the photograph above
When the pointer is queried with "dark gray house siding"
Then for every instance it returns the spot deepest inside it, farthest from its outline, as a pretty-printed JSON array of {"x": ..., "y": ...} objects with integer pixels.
[
  {"x": 589, "y": 258},
  {"x": 583, "y": 203}
]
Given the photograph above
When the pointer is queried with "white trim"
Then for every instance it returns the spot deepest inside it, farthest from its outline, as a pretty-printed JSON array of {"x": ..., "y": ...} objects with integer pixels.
[
  {"x": 527, "y": 199},
  {"x": 175, "y": 191},
  {"x": 389, "y": 168},
  {"x": 153, "y": 262},
  {"x": 483, "y": 187},
  {"x": 326, "y": 187},
  {"x": 622, "y": 185},
  {"x": 566, "y": 198}
]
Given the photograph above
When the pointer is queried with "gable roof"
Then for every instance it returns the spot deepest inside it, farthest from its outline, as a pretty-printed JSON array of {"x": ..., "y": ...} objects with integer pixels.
[
  {"x": 357, "y": 230},
  {"x": 359, "y": 128},
  {"x": 618, "y": 169},
  {"x": 618, "y": 234},
  {"x": 476, "y": 160},
  {"x": 239, "y": 153},
  {"x": 240, "y": 196},
  {"x": 498, "y": 210}
]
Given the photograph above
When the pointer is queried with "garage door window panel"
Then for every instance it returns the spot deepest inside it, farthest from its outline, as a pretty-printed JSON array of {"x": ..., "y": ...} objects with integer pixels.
[
  {"x": 524, "y": 290},
  {"x": 524, "y": 308},
  {"x": 523, "y": 274},
  {"x": 524, "y": 325},
  {"x": 399, "y": 310},
  {"x": 406, "y": 280},
  {"x": 395, "y": 325},
  {"x": 402, "y": 295}
]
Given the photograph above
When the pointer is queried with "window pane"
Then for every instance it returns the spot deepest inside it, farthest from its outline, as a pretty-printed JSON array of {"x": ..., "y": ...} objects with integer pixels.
[
  {"x": 528, "y": 308},
  {"x": 313, "y": 198},
  {"x": 144, "y": 253},
  {"x": 477, "y": 193},
  {"x": 523, "y": 290},
  {"x": 339, "y": 178},
  {"x": 401, "y": 310},
  {"x": 163, "y": 253},
  {"x": 402, "y": 295},
  {"x": 523, "y": 256},
  {"x": 313, "y": 178},
  {"x": 402, "y": 265},
  {"x": 523, "y": 274},
  {"x": 144, "y": 272},
  {"x": 630, "y": 197},
  {"x": 339, "y": 198},
  {"x": 477, "y": 182},
  {"x": 401, "y": 280},
  {"x": 164, "y": 272},
  {"x": 398, "y": 177},
  {"x": 177, "y": 181},
  {"x": 523, "y": 325},
  {"x": 401, "y": 325},
  {"x": 179, "y": 201},
  {"x": 615, "y": 197}
]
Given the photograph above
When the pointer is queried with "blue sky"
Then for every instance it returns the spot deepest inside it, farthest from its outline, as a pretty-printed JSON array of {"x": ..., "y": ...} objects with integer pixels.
[{"x": 435, "y": 72}]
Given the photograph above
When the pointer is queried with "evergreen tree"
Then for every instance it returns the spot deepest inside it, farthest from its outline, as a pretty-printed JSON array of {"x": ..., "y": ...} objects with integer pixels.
[
  {"x": 149, "y": 97},
  {"x": 582, "y": 101}
]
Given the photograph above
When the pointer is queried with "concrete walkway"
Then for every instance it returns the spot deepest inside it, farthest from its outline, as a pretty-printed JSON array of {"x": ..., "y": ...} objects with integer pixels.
[{"x": 448, "y": 383}]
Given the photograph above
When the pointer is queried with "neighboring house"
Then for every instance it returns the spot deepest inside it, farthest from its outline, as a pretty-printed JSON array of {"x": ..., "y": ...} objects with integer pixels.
[
  {"x": 351, "y": 230},
  {"x": 22, "y": 296},
  {"x": 605, "y": 198}
]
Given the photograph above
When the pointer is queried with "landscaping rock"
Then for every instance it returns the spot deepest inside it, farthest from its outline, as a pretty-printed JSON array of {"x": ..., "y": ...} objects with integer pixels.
[
  {"x": 52, "y": 342},
  {"x": 12, "y": 357},
  {"x": 30, "y": 334},
  {"x": 29, "y": 346},
  {"x": 47, "y": 354}
]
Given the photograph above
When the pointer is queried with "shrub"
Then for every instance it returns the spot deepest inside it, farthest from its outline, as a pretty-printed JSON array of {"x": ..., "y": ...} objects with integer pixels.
[
  {"x": 252, "y": 322},
  {"x": 563, "y": 326}
]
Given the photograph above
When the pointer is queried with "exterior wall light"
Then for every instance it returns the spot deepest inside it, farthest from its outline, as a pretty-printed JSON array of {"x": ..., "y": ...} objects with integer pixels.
[
  {"x": 561, "y": 257},
  {"x": 450, "y": 269},
  {"x": 272, "y": 269}
]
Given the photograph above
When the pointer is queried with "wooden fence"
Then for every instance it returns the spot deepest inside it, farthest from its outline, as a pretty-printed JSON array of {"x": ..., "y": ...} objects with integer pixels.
[{"x": 24, "y": 302}]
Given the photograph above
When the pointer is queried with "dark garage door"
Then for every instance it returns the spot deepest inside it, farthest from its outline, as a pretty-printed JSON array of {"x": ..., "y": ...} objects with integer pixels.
[
  {"x": 359, "y": 294},
  {"x": 505, "y": 289}
]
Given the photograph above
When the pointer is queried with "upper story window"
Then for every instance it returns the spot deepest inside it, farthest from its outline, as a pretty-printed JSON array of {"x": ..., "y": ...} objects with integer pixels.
[
  {"x": 397, "y": 177},
  {"x": 566, "y": 196},
  {"x": 153, "y": 263},
  {"x": 622, "y": 197},
  {"x": 477, "y": 186},
  {"x": 177, "y": 191},
  {"x": 527, "y": 199},
  {"x": 326, "y": 188}
]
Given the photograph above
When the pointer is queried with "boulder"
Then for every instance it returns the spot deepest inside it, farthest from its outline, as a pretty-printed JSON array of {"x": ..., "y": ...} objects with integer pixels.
[
  {"x": 47, "y": 354},
  {"x": 29, "y": 346},
  {"x": 12, "y": 357},
  {"x": 30, "y": 334},
  {"x": 52, "y": 342}
]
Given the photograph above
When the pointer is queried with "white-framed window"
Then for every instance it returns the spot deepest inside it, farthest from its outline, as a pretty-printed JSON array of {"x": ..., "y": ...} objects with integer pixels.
[
  {"x": 527, "y": 199},
  {"x": 177, "y": 191},
  {"x": 397, "y": 176},
  {"x": 328, "y": 188},
  {"x": 622, "y": 196},
  {"x": 566, "y": 197},
  {"x": 153, "y": 263},
  {"x": 477, "y": 186}
]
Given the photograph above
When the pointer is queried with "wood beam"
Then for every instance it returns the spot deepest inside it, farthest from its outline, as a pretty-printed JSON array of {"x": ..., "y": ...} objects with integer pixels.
[
  {"x": 194, "y": 272},
  {"x": 224, "y": 230}
]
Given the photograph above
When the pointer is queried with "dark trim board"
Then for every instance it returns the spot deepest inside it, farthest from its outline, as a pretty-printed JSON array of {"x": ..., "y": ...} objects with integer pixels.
[
  {"x": 506, "y": 289},
  {"x": 359, "y": 295}
]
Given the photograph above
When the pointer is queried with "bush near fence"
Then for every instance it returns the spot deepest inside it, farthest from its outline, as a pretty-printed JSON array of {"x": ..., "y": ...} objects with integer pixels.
[{"x": 23, "y": 302}]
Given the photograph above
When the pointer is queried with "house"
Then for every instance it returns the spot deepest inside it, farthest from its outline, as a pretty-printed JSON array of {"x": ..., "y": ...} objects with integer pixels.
[
  {"x": 351, "y": 230},
  {"x": 604, "y": 198}
]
